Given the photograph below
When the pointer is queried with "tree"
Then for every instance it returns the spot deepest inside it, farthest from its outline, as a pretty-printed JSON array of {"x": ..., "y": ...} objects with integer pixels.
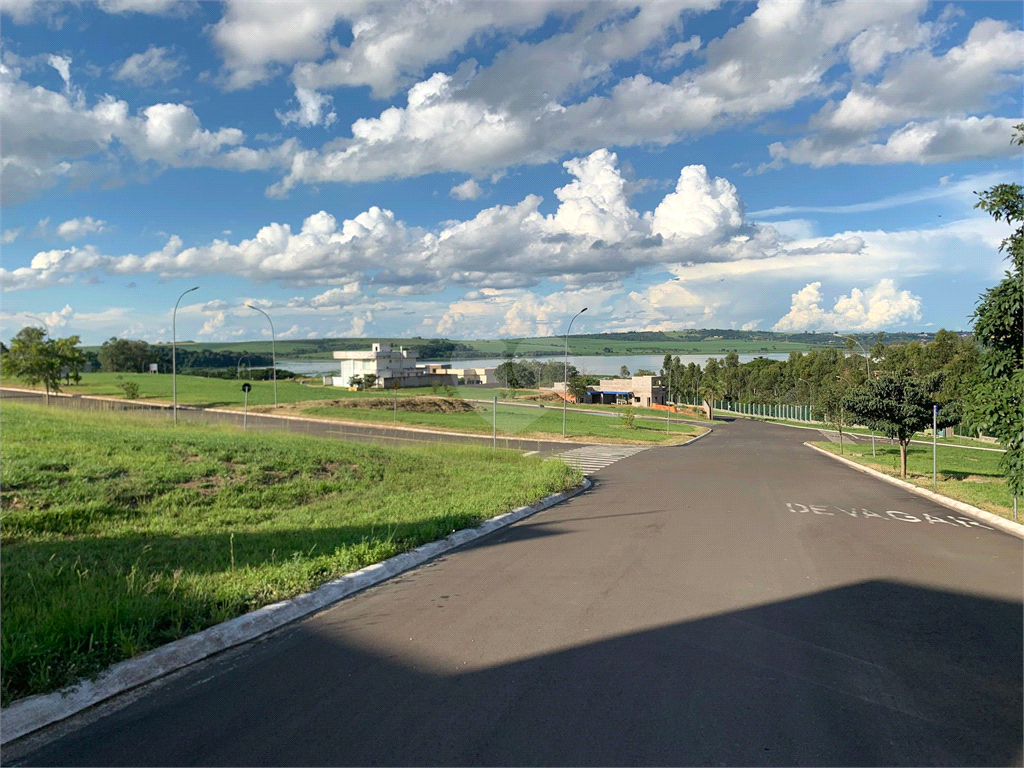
[
  {"x": 355, "y": 381},
  {"x": 36, "y": 359},
  {"x": 895, "y": 404},
  {"x": 994, "y": 402},
  {"x": 832, "y": 406},
  {"x": 624, "y": 372},
  {"x": 369, "y": 379},
  {"x": 72, "y": 359},
  {"x": 711, "y": 388},
  {"x": 577, "y": 387}
]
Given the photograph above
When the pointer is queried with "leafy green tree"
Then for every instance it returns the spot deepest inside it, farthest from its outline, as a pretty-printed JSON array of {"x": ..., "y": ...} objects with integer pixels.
[
  {"x": 711, "y": 388},
  {"x": 369, "y": 379},
  {"x": 897, "y": 405},
  {"x": 577, "y": 387},
  {"x": 831, "y": 405},
  {"x": 36, "y": 359},
  {"x": 355, "y": 381},
  {"x": 994, "y": 402},
  {"x": 624, "y": 372}
]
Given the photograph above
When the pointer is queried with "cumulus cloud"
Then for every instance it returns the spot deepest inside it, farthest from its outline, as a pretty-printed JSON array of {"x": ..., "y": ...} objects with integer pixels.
[
  {"x": 48, "y": 136},
  {"x": 870, "y": 309},
  {"x": 594, "y": 236},
  {"x": 467, "y": 190},
  {"x": 937, "y": 141},
  {"x": 154, "y": 65},
  {"x": 311, "y": 110},
  {"x": 75, "y": 229}
]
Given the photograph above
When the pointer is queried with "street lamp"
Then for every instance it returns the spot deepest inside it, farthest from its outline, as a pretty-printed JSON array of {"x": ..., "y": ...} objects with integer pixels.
[
  {"x": 40, "y": 321},
  {"x": 867, "y": 359},
  {"x": 273, "y": 352},
  {"x": 565, "y": 369},
  {"x": 811, "y": 387},
  {"x": 174, "y": 352}
]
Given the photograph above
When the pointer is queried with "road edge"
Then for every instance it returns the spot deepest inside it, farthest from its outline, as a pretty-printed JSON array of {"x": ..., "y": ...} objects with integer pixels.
[
  {"x": 32, "y": 713},
  {"x": 1007, "y": 526}
]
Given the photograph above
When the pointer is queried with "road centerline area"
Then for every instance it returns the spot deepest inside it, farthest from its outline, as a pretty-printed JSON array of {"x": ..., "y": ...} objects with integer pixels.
[{"x": 707, "y": 604}]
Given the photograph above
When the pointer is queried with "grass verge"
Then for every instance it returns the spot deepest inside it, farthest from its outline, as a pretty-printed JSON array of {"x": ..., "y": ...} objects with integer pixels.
[
  {"x": 121, "y": 535},
  {"x": 963, "y": 474}
]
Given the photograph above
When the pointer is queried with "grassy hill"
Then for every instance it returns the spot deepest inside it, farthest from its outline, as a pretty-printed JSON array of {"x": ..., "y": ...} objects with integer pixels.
[{"x": 694, "y": 341}]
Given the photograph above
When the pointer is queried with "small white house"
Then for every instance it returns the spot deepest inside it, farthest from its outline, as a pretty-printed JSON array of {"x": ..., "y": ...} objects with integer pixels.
[{"x": 389, "y": 366}]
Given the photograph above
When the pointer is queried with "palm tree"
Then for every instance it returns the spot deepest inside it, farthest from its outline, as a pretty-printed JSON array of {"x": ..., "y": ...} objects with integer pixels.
[{"x": 711, "y": 388}]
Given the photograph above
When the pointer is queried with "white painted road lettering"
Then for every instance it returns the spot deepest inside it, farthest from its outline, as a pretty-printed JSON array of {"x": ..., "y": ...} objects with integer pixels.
[{"x": 893, "y": 514}]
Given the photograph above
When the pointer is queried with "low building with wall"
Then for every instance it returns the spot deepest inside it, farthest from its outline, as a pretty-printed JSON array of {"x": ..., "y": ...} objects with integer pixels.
[
  {"x": 466, "y": 375},
  {"x": 641, "y": 391},
  {"x": 390, "y": 366}
]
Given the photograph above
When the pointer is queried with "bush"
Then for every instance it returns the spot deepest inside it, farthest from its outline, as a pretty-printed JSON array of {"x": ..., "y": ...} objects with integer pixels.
[
  {"x": 130, "y": 389},
  {"x": 628, "y": 418}
]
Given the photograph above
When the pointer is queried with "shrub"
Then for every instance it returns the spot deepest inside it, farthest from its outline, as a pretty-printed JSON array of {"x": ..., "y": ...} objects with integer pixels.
[{"x": 130, "y": 389}]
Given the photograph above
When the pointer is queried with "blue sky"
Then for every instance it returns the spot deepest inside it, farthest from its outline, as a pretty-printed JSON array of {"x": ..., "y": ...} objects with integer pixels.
[{"x": 485, "y": 170}]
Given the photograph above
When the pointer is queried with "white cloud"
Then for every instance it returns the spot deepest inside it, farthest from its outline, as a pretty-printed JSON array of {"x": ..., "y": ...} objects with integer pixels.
[
  {"x": 10, "y": 235},
  {"x": 937, "y": 141},
  {"x": 47, "y": 135},
  {"x": 75, "y": 229},
  {"x": 63, "y": 66},
  {"x": 154, "y": 65},
  {"x": 310, "y": 111},
  {"x": 880, "y": 306},
  {"x": 467, "y": 190}
]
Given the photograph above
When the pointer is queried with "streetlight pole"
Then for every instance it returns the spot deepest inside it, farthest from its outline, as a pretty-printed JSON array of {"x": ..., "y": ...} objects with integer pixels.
[
  {"x": 273, "y": 351},
  {"x": 174, "y": 352},
  {"x": 40, "y": 321},
  {"x": 867, "y": 359},
  {"x": 811, "y": 387},
  {"x": 565, "y": 369}
]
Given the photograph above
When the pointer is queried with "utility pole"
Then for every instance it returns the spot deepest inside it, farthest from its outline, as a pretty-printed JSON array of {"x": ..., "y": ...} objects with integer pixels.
[
  {"x": 565, "y": 369},
  {"x": 174, "y": 352}
]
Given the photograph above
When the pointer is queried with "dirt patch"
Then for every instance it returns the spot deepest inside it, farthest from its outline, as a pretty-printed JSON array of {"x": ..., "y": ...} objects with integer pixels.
[
  {"x": 412, "y": 404},
  {"x": 541, "y": 397},
  {"x": 207, "y": 486},
  {"x": 980, "y": 479}
]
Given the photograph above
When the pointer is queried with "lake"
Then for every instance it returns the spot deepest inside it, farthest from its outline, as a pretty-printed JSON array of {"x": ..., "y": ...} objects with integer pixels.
[{"x": 594, "y": 365}]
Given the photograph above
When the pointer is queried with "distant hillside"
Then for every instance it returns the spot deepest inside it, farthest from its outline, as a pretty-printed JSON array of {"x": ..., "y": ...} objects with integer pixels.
[{"x": 692, "y": 341}]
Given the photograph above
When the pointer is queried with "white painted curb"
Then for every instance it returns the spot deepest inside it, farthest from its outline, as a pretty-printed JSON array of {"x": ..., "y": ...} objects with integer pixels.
[
  {"x": 694, "y": 439},
  {"x": 34, "y": 712},
  {"x": 1001, "y": 523}
]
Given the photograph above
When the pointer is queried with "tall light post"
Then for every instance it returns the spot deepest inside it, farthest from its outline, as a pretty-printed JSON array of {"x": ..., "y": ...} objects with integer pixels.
[
  {"x": 273, "y": 352},
  {"x": 811, "y": 388},
  {"x": 867, "y": 359},
  {"x": 565, "y": 368},
  {"x": 40, "y": 321},
  {"x": 174, "y": 352}
]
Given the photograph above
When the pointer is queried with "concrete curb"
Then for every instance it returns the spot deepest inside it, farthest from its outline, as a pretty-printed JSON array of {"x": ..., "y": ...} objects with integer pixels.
[
  {"x": 1007, "y": 526},
  {"x": 693, "y": 439},
  {"x": 34, "y": 712}
]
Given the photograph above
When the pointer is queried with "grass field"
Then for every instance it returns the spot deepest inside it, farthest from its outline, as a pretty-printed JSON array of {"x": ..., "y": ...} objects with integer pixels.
[
  {"x": 119, "y": 535},
  {"x": 964, "y": 475},
  {"x": 517, "y": 421},
  {"x": 199, "y": 390}
]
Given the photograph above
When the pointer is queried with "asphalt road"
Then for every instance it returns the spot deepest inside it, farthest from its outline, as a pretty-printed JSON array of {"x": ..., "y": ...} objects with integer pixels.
[{"x": 740, "y": 601}]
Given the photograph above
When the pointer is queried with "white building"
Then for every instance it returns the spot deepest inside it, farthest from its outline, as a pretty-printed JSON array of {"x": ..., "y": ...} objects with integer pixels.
[{"x": 388, "y": 365}]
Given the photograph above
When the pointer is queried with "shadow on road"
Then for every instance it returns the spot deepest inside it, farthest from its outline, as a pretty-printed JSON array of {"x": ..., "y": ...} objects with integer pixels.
[{"x": 874, "y": 673}]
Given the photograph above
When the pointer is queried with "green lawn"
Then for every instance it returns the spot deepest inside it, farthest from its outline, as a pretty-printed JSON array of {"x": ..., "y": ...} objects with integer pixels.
[
  {"x": 518, "y": 421},
  {"x": 119, "y": 534},
  {"x": 199, "y": 390},
  {"x": 964, "y": 475}
]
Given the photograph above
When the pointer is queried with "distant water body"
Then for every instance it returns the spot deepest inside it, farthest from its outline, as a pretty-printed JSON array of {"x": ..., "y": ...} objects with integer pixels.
[{"x": 588, "y": 364}]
